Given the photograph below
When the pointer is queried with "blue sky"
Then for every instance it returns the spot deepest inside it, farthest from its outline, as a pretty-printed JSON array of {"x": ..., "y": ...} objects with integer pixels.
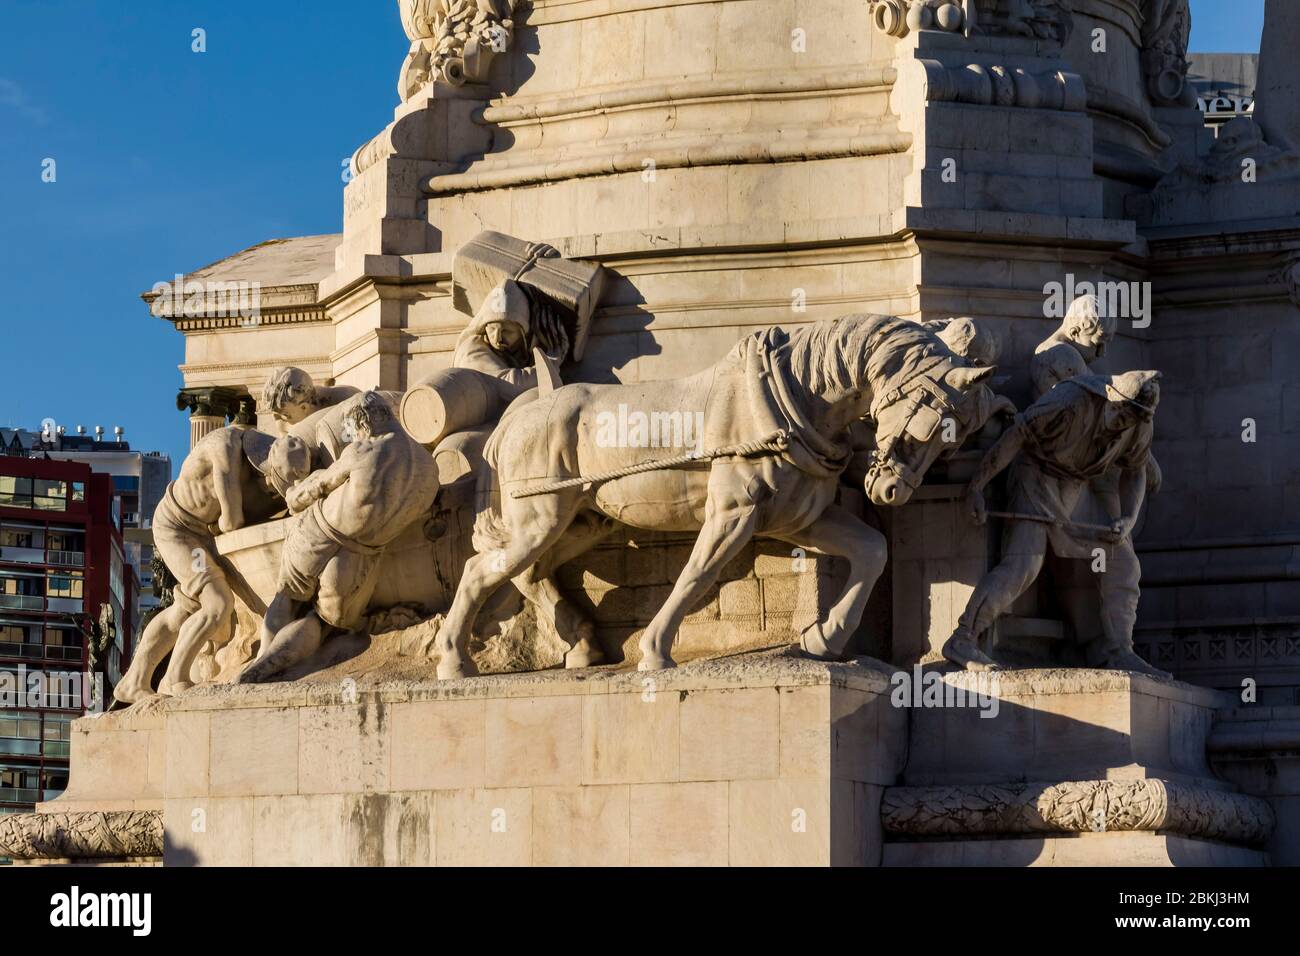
[{"x": 169, "y": 159}]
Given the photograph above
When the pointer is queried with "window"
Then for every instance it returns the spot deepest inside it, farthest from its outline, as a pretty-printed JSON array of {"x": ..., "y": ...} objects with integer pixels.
[
  {"x": 18, "y": 538},
  {"x": 64, "y": 585},
  {"x": 78, "y": 491},
  {"x": 57, "y": 735},
  {"x": 61, "y": 540},
  {"x": 17, "y": 640},
  {"x": 63, "y": 644},
  {"x": 49, "y": 494},
  {"x": 15, "y": 492},
  {"x": 20, "y": 733}
]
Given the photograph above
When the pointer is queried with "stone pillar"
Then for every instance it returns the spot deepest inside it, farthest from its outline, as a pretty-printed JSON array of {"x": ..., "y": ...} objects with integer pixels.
[
  {"x": 1277, "y": 89},
  {"x": 203, "y": 425},
  {"x": 210, "y": 407}
]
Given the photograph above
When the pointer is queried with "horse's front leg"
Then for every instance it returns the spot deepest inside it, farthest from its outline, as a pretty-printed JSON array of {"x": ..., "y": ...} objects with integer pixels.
[
  {"x": 726, "y": 531},
  {"x": 840, "y": 534}
]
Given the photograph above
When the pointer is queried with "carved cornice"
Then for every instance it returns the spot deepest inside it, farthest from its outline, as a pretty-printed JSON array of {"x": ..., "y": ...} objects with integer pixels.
[
  {"x": 88, "y": 835},
  {"x": 1076, "y": 807}
]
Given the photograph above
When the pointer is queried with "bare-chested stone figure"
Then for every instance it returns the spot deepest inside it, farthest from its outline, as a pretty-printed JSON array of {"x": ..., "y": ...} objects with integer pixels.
[
  {"x": 233, "y": 477},
  {"x": 345, "y": 515}
]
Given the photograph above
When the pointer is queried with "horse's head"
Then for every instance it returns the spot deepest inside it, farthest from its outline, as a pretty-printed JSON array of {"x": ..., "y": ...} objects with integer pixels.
[{"x": 926, "y": 417}]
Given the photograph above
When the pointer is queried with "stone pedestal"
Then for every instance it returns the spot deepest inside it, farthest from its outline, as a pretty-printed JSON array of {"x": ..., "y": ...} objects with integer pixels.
[
  {"x": 769, "y": 760},
  {"x": 1069, "y": 767}
]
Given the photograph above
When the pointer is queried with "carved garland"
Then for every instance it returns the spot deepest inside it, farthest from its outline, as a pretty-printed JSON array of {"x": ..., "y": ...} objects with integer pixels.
[
  {"x": 1076, "y": 807},
  {"x": 1048, "y": 20},
  {"x": 452, "y": 40},
  {"x": 82, "y": 836}
]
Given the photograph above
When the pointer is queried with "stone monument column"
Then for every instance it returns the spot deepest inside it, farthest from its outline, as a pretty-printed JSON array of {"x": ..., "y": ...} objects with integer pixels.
[
  {"x": 209, "y": 408},
  {"x": 1277, "y": 89}
]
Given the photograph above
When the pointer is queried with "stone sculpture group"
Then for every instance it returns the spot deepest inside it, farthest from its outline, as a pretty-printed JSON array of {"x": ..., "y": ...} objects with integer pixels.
[{"x": 783, "y": 415}]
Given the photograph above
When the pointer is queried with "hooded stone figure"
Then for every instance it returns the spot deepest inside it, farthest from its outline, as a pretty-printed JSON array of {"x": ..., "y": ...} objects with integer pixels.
[{"x": 511, "y": 322}]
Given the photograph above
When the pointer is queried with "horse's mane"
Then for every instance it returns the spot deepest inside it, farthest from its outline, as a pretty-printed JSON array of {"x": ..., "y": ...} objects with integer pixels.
[{"x": 861, "y": 350}]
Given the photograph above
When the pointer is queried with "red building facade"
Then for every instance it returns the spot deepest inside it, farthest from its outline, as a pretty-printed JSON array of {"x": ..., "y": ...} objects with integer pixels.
[{"x": 62, "y": 562}]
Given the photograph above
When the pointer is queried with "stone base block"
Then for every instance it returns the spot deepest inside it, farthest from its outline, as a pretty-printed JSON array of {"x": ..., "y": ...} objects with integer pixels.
[
  {"x": 766, "y": 759},
  {"x": 1066, "y": 768}
]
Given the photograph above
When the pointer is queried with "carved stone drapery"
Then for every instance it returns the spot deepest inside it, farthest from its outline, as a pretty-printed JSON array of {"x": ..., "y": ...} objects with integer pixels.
[
  {"x": 1076, "y": 807},
  {"x": 452, "y": 40},
  {"x": 89, "y": 835}
]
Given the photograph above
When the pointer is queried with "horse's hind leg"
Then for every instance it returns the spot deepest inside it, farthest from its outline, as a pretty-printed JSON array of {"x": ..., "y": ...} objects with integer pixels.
[
  {"x": 537, "y": 584},
  {"x": 533, "y": 529}
]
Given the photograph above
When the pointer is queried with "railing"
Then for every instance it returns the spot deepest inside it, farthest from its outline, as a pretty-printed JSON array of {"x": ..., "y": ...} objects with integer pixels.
[
  {"x": 26, "y": 602},
  {"x": 26, "y": 795},
  {"x": 25, "y": 555},
  {"x": 20, "y": 747},
  {"x": 67, "y": 559},
  {"x": 49, "y": 652},
  {"x": 64, "y": 604}
]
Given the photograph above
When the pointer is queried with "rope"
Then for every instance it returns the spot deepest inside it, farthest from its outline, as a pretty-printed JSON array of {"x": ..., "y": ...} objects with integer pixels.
[{"x": 776, "y": 443}]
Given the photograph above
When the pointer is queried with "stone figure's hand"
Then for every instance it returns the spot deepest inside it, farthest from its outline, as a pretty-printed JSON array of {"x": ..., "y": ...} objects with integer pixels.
[
  {"x": 300, "y": 496},
  {"x": 975, "y": 505},
  {"x": 226, "y": 524},
  {"x": 1119, "y": 530}
]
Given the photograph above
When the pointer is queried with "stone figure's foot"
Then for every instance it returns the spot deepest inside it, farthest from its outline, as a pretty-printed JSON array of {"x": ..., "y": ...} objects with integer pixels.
[
  {"x": 132, "y": 692},
  {"x": 587, "y": 652},
  {"x": 173, "y": 688},
  {"x": 814, "y": 643},
  {"x": 962, "y": 650},
  {"x": 1129, "y": 661},
  {"x": 254, "y": 673}
]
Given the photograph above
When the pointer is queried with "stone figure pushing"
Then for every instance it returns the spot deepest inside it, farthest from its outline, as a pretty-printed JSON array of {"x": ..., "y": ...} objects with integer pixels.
[
  {"x": 1081, "y": 429},
  {"x": 345, "y": 515},
  {"x": 233, "y": 477},
  {"x": 291, "y": 395}
]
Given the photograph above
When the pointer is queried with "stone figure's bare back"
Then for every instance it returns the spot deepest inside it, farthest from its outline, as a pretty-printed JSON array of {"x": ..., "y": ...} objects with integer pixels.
[
  {"x": 217, "y": 471},
  {"x": 391, "y": 482}
]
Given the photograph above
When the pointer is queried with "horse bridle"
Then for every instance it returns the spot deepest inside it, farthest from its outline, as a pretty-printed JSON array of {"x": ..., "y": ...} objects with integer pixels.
[{"x": 883, "y": 463}]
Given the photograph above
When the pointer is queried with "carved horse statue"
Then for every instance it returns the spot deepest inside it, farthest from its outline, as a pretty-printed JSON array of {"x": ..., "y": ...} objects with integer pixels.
[{"x": 775, "y": 416}]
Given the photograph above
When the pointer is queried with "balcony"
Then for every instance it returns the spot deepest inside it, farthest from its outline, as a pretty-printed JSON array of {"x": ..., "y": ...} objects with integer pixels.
[
  {"x": 66, "y": 559},
  {"x": 26, "y": 795},
  {"x": 64, "y": 604},
  {"x": 26, "y": 602},
  {"x": 36, "y": 652},
  {"x": 23, "y": 555}
]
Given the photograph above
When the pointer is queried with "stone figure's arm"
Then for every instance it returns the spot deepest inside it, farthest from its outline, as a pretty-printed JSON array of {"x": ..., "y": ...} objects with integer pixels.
[
  {"x": 474, "y": 353},
  {"x": 320, "y": 484},
  {"x": 1132, "y": 494},
  {"x": 227, "y": 463},
  {"x": 998, "y": 458}
]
